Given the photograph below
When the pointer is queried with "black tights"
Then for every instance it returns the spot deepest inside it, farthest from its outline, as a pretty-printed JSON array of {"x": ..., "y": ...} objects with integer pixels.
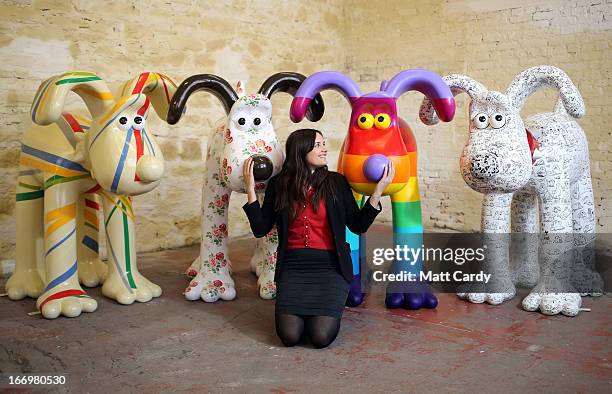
[{"x": 322, "y": 330}]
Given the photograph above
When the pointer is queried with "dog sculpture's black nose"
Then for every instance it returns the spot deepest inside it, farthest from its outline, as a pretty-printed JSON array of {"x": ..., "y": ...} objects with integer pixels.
[
  {"x": 262, "y": 167},
  {"x": 484, "y": 166}
]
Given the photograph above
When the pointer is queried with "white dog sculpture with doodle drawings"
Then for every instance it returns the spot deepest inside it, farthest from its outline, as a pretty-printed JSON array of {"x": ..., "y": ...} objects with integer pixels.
[
  {"x": 246, "y": 131},
  {"x": 545, "y": 159}
]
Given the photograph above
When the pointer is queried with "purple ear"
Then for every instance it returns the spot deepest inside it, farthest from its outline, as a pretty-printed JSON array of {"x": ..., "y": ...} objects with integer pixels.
[
  {"x": 428, "y": 83},
  {"x": 316, "y": 83}
]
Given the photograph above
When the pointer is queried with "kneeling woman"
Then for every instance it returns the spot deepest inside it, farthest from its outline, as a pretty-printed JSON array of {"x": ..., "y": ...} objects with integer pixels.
[{"x": 311, "y": 207}]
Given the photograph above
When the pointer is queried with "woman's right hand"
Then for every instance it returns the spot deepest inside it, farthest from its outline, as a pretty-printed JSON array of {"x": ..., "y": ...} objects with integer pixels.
[{"x": 249, "y": 179}]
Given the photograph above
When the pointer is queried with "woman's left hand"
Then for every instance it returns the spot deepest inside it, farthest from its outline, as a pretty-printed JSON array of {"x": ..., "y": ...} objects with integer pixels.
[{"x": 387, "y": 178}]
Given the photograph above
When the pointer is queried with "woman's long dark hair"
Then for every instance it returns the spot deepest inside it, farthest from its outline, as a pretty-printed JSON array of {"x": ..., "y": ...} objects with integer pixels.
[{"x": 295, "y": 177}]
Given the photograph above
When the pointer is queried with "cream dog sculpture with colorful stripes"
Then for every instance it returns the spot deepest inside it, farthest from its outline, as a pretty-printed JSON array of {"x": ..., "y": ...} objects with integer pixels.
[{"x": 68, "y": 166}]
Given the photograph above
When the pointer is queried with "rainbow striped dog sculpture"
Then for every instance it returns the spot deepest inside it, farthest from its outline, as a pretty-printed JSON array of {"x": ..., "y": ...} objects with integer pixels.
[
  {"x": 376, "y": 135},
  {"x": 65, "y": 161}
]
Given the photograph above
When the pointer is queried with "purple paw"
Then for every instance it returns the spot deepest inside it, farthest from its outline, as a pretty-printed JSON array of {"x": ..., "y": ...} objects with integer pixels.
[
  {"x": 355, "y": 296},
  {"x": 394, "y": 300},
  {"x": 414, "y": 301},
  {"x": 354, "y": 299},
  {"x": 430, "y": 301}
]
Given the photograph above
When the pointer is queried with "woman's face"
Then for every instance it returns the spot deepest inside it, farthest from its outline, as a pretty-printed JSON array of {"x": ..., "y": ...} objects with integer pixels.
[{"x": 317, "y": 157}]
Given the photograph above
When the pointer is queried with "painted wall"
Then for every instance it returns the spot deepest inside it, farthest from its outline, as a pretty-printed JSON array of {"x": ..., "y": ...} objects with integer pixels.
[{"x": 491, "y": 41}]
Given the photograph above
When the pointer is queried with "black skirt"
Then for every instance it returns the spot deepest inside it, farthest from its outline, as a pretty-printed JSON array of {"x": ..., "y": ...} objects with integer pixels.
[{"x": 311, "y": 284}]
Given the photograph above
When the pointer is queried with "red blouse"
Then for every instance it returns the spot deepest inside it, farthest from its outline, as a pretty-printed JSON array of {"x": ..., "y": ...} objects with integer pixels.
[{"x": 310, "y": 229}]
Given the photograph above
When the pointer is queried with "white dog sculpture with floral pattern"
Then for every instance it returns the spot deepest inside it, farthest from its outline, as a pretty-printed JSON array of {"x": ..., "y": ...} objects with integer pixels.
[{"x": 246, "y": 131}]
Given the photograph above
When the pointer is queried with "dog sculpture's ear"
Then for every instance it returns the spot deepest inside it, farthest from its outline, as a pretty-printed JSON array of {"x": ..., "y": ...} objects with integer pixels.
[
  {"x": 458, "y": 84},
  {"x": 156, "y": 86},
  {"x": 289, "y": 82},
  {"x": 535, "y": 78},
  {"x": 318, "y": 82},
  {"x": 50, "y": 98},
  {"x": 427, "y": 82},
  {"x": 207, "y": 82}
]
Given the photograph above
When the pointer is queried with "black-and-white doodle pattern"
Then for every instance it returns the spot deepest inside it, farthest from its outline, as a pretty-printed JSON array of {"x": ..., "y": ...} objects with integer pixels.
[{"x": 516, "y": 177}]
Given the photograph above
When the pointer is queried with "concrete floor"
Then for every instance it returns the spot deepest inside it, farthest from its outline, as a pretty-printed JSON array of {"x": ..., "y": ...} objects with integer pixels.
[{"x": 172, "y": 345}]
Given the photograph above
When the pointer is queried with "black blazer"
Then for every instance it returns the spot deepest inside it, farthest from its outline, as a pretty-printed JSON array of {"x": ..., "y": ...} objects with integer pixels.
[{"x": 341, "y": 213}]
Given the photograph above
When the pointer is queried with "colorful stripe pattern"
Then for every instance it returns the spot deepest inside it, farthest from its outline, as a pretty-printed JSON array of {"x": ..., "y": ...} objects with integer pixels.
[
  {"x": 61, "y": 241},
  {"x": 138, "y": 137},
  {"x": 123, "y": 205},
  {"x": 25, "y": 196},
  {"x": 64, "y": 170},
  {"x": 50, "y": 163},
  {"x": 90, "y": 222},
  {"x": 60, "y": 228},
  {"x": 126, "y": 243},
  {"x": 58, "y": 217},
  {"x": 59, "y": 223},
  {"x": 405, "y": 198},
  {"x": 149, "y": 81},
  {"x": 56, "y": 220},
  {"x": 40, "y": 97},
  {"x": 70, "y": 124},
  {"x": 63, "y": 294},
  {"x": 90, "y": 243},
  {"x": 62, "y": 278},
  {"x": 68, "y": 81},
  {"x": 90, "y": 214},
  {"x": 122, "y": 158},
  {"x": 145, "y": 82},
  {"x": 126, "y": 147},
  {"x": 73, "y": 123},
  {"x": 69, "y": 274}
]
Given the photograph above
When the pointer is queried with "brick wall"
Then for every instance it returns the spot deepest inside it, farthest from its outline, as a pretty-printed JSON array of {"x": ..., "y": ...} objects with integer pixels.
[{"x": 489, "y": 40}]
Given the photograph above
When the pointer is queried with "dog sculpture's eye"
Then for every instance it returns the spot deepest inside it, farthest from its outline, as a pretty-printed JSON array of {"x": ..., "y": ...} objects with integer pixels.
[
  {"x": 498, "y": 121},
  {"x": 365, "y": 121},
  {"x": 139, "y": 123},
  {"x": 242, "y": 121},
  {"x": 382, "y": 121},
  {"x": 256, "y": 121},
  {"x": 481, "y": 121},
  {"x": 125, "y": 123}
]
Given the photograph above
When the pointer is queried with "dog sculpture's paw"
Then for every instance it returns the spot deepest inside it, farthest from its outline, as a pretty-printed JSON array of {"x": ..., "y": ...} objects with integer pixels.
[
  {"x": 210, "y": 287},
  {"x": 553, "y": 303}
]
